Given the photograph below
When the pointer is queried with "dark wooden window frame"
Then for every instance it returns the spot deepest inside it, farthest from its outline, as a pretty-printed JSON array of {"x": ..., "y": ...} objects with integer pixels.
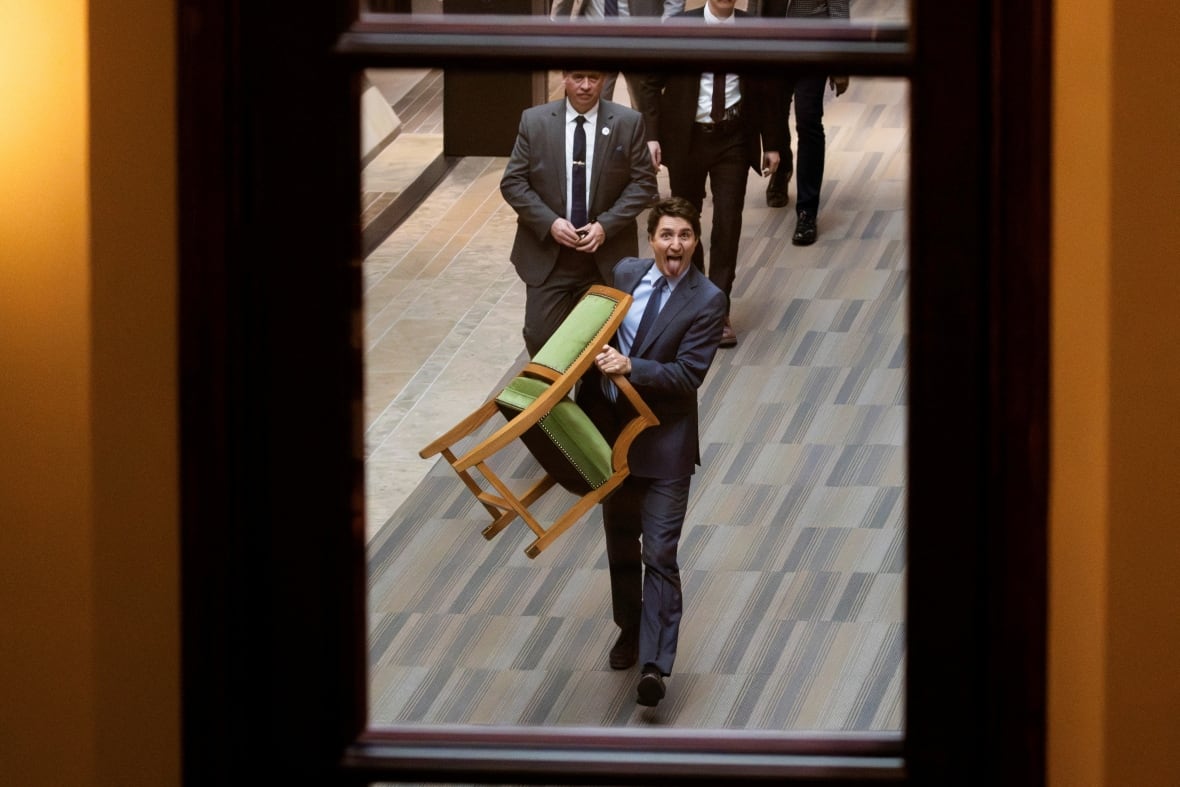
[{"x": 273, "y": 658}]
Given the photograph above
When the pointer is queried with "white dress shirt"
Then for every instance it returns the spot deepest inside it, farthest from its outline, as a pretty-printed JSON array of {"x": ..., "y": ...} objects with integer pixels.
[{"x": 733, "y": 92}]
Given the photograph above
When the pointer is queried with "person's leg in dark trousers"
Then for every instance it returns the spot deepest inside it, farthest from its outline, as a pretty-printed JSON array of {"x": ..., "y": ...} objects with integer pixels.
[
  {"x": 720, "y": 158},
  {"x": 645, "y": 578},
  {"x": 623, "y": 526},
  {"x": 809, "y": 129},
  {"x": 608, "y": 86},
  {"x": 663, "y": 512},
  {"x": 546, "y": 305},
  {"x": 687, "y": 181},
  {"x": 776, "y": 185},
  {"x": 728, "y": 174},
  {"x": 635, "y": 89}
]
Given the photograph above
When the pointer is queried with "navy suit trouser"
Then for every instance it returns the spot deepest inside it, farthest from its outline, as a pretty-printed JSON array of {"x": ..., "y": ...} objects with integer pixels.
[{"x": 643, "y": 519}]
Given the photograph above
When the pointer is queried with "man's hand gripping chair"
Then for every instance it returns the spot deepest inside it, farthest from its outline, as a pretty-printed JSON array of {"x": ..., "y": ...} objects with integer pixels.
[{"x": 541, "y": 413}]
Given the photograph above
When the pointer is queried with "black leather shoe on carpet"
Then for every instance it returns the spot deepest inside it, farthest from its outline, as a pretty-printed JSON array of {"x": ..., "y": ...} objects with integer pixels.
[
  {"x": 651, "y": 689},
  {"x": 805, "y": 231},
  {"x": 625, "y": 651},
  {"x": 776, "y": 189},
  {"x": 728, "y": 336}
]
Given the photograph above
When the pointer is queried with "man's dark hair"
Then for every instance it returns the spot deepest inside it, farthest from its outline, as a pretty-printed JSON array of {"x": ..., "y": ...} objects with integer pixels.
[{"x": 676, "y": 207}]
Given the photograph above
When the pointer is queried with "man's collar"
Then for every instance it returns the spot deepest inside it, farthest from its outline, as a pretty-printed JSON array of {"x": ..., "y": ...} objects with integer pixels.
[
  {"x": 571, "y": 113},
  {"x": 713, "y": 19}
]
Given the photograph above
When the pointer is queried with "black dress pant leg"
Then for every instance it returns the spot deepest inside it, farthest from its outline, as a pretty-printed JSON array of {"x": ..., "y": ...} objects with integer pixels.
[
  {"x": 787, "y": 164},
  {"x": 718, "y": 158},
  {"x": 546, "y": 305},
  {"x": 687, "y": 181},
  {"x": 810, "y": 142},
  {"x": 727, "y": 180}
]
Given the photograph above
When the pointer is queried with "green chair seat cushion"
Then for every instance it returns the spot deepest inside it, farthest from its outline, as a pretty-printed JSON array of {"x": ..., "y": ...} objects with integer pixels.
[
  {"x": 576, "y": 332},
  {"x": 564, "y": 442}
]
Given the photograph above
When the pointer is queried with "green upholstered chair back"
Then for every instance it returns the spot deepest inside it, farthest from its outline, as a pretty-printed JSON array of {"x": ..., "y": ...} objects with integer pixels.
[{"x": 577, "y": 331}]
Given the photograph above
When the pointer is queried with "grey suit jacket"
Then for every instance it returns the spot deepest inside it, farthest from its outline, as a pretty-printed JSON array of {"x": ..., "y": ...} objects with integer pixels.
[
  {"x": 666, "y": 371},
  {"x": 622, "y": 185}
]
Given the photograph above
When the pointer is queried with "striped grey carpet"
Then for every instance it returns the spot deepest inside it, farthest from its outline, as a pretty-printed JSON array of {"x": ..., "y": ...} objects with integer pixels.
[{"x": 793, "y": 553}]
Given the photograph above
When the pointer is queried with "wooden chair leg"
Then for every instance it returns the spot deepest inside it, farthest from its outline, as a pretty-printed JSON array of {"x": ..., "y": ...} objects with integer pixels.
[
  {"x": 527, "y": 499},
  {"x": 572, "y": 515},
  {"x": 517, "y": 505},
  {"x": 471, "y": 484}
]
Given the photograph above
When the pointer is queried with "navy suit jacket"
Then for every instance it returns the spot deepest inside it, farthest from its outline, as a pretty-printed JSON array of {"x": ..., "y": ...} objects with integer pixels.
[
  {"x": 622, "y": 185},
  {"x": 666, "y": 371}
]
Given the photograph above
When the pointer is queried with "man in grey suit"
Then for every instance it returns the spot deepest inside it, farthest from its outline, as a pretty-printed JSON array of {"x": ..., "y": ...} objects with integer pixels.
[
  {"x": 665, "y": 356},
  {"x": 576, "y": 214}
]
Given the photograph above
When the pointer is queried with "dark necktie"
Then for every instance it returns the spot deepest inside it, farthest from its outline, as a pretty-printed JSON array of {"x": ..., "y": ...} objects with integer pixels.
[
  {"x": 717, "y": 113},
  {"x": 578, "y": 179},
  {"x": 610, "y": 8},
  {"x": 649, "y": 313}
]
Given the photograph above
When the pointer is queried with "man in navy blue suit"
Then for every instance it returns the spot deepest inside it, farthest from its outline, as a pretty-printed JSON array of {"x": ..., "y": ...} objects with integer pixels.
[{"x": 666, "y": 360}]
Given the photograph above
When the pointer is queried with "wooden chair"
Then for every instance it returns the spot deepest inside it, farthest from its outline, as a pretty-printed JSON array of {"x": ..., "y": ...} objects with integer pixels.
[{"x": 572, "y": 452}]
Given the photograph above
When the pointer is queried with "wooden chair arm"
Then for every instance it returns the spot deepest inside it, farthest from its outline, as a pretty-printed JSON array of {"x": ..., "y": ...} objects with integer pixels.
[
  {"x": 461, "y": 429},
  {"x": 517, "y": 425},
  {"x": 643, "y": 419},
  {"x": 626, "y": 389}
]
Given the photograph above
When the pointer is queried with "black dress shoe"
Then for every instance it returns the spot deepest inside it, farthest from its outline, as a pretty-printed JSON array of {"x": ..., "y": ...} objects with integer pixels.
[
  {"x": 651, "y": 689},
  {"x": 776, "y": 189},
  {"x": 805, "y": 231},
  {"x": 728, "y": 336},
  {"x": 625, "y": 651}
]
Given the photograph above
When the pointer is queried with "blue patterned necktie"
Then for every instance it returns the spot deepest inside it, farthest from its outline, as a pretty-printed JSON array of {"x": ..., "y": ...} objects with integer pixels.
[
  {"x": 610, "y": 8},
  {"x": 578, "y": 177}
]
